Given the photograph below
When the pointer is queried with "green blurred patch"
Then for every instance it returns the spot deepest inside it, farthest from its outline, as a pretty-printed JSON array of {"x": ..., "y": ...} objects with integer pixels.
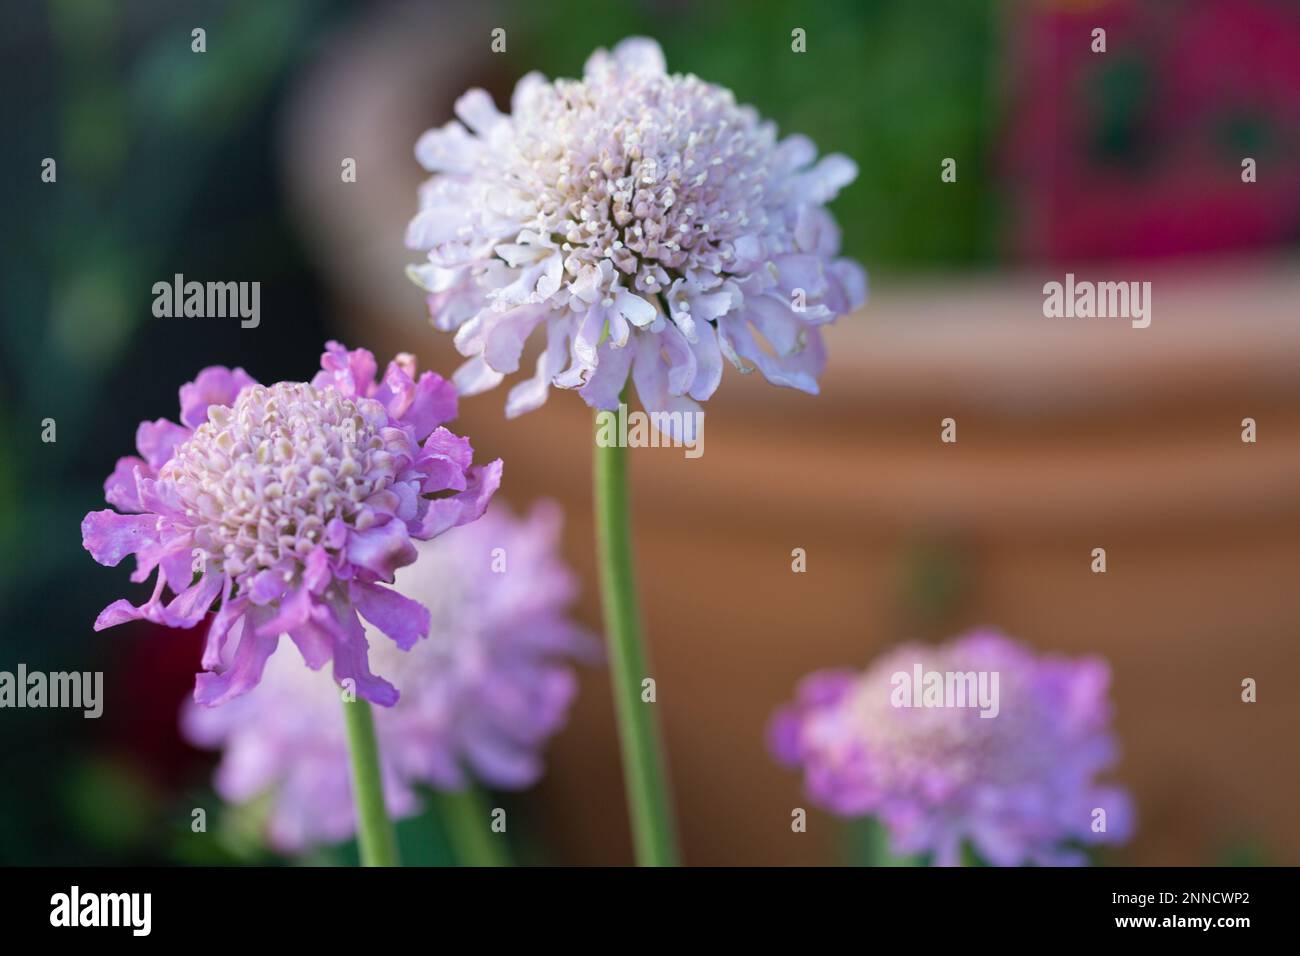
[
  {"x": 867, "y": 844},
  {"x": 112, "y": 806}
]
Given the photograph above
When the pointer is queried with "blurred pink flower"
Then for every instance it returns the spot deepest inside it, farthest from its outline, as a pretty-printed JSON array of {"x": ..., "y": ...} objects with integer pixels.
[
  {"x": 1018, "y": 786},
  {"x": 480, "y": 697}
]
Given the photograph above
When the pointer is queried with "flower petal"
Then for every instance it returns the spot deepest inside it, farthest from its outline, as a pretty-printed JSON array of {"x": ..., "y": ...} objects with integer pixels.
[
  {"x": 215, "y": 385},
  {"x": 635, "y": 55},
  {"x": 352, "y": 372},
  {"x": 109, "y": 536},
  {"x": 469, "y": 505},
  {"x": 120, "y": 488},
  {"x": 477, "y": 111},
  {"x": 351, "y": 662},
  {"x": 450, "y": 149},
  {"x": 245, "y": 670},
  {"x": 157, "y": 441},
  {"x": 433, "y": 402},
  {"x": 604, "y": 387},
  {"x": 531, "y": 393},
  {"x": 381, "y": 549},
  {"x": 799, "y": 371},
  {"x": 402, "y": 619},
  {"x": 476, "y": 376}
]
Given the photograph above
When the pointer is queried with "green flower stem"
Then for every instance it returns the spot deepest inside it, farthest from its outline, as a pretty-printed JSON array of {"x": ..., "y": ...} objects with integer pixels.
[
  {"x": 644, "y": 776},
  {"x": 374, "y": 830},
  {"x": 467, "y": 821}
]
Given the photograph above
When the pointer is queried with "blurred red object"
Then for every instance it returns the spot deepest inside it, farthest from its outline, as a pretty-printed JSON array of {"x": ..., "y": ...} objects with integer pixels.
[
  {"x": 143, "y": 696},
  {"x": 1138, "y": 151}
]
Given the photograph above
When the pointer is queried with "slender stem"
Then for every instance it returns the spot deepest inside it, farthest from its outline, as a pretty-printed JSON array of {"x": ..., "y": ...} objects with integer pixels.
[
  {"x": 644, "y": 775},
  {"x": 467, "y": 821},
  {"x": 374, "y": 830}
]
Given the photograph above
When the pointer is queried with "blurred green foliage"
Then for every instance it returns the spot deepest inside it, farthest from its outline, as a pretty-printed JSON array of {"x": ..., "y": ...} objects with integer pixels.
[{"x": 163, "y": 160}]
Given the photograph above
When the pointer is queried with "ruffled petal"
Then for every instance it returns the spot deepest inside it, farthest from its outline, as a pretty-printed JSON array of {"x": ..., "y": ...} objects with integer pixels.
[
  {"x": 432, "y": 403},
  {"x": 469, "y": 505},
  {"x": 607, "y": 381},
  {"x": 824, "y": 181},
  {"x": 799, "y": 370},
  {"x": 636, "y": 55},
  {"x": 245, "y": 670},
  {"x": 504, "y": 335},
  {"x": 215, "y": 385},
  {"x": 292, "y": 612},
  {"x": 313, "y": 644},
  {"x": 228, "y": 620},
  {"x": 382, "y": 549},
  {"x": 351, "y": 372},
  {"x": 476, "y": 376},
  {"x": 848, "y": 286},
  {"x": 679, "y": 359},
  {"x": 402, "y": 619},
  {"x": 476, "y": 110},
  {"x": 776, "y": 321},
  {"x": 444, "y": 460},
  {"x": 122, "y": 610},
  {"x": 109, "y": 536},
  {"x": 156, "y": 441},
  {"x": 351, "y": 660},
  {"x": 190, "y": 606},
  {"x": 184, "y": 611},
  {"x": 178, "y": 565},
  {"x": 634, "y": 308},
  {"x": 530, "y": 394},
  {"x": 434, "y": 226},
  {"x": 653, "y": 387},
  {"x": 450, "y": 149},
  {"x": 120, "y": 489},
  {"x": 801, "y": 271},
  {"x": 708, "y": 362}
]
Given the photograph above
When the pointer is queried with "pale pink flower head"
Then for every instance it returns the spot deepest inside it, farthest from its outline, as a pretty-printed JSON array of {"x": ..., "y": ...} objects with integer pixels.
[
  {"x": 480, "y": 697},
  {"x": 1015, "y": 780},
  {"x": 285, "y": 509},
  {"x": 647, "y": 220}
]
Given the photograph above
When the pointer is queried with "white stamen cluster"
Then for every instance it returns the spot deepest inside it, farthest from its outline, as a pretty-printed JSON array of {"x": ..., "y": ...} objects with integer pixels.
[{"x": 654, "y": 177}]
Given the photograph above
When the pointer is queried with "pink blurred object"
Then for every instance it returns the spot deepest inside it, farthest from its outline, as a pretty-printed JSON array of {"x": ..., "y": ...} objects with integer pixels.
[{"x": 1137, "y": 152}]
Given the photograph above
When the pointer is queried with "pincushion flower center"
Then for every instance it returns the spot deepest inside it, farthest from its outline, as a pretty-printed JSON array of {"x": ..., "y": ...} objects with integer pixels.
[
  {"x": 262, "y": 480},
  {"x": 1016, "y": 745},
  {"x": 657, "y": 195}
]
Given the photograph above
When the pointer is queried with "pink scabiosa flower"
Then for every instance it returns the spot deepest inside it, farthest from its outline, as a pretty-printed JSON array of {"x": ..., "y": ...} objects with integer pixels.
[
  {"x": 648, "y": 221},
  {"x": 480, "y": 697},
  {"x": 287, "y": 508},
  {"x": 1017, "y": 785}
]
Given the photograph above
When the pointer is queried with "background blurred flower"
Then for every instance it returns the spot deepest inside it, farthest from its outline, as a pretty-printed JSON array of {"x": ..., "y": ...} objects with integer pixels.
[
  {"x": 1018, "y": 787},
  {"x": 651, "y": 223},
  {"x": 285, "y": 506},
  {"x": 480, "y": 696}
]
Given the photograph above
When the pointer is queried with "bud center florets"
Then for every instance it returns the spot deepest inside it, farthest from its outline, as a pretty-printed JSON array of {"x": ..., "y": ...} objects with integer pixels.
[{"x": 263, "y": 480}]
